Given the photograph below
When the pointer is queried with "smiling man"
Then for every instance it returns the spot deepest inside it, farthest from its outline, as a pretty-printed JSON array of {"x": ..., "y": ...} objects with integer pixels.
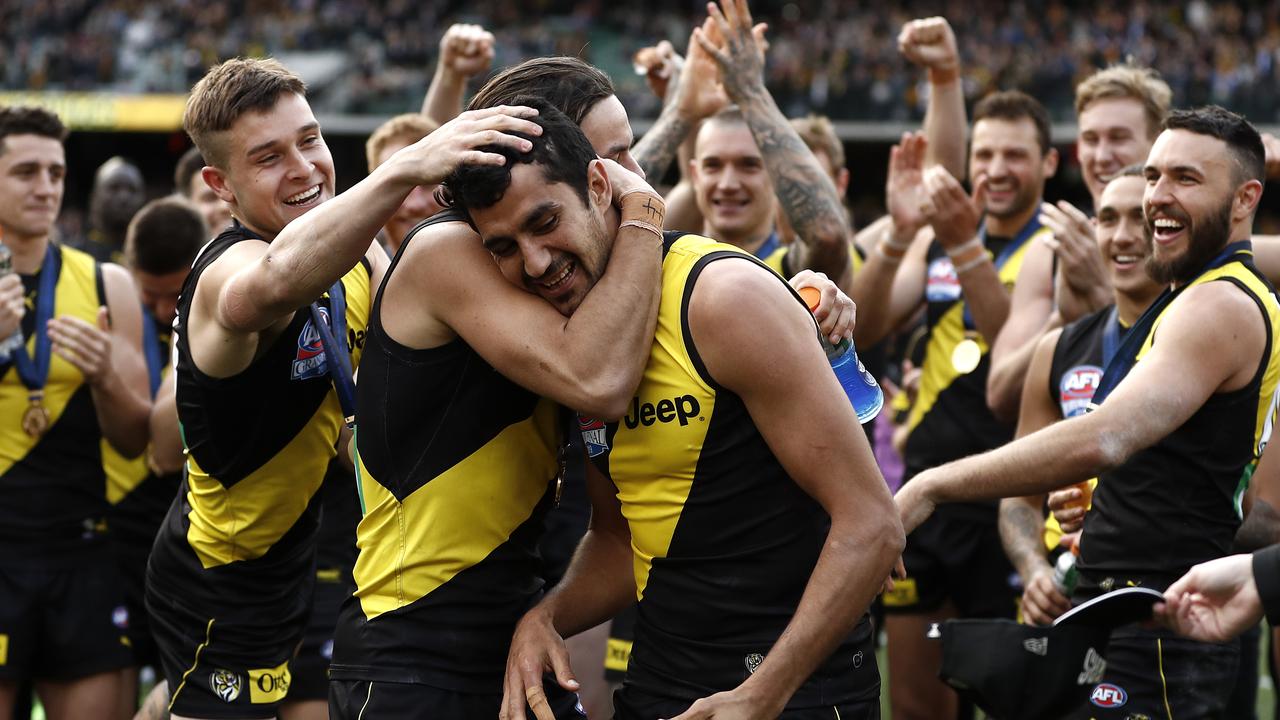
[
  {"x": 1065, "y": 372},
  {"x": 270, "y": 321},
  {"x": 737, "y": 501},
  {"x": 959, "y": 269},
  {"x": 1181, "y": 417}
]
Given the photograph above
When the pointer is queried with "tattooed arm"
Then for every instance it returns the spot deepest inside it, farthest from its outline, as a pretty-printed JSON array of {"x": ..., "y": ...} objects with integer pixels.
[
  {"x": 1022, "y": 518},
  {"x": 805, "y": 192},
  {"x": 693, "y": 93}
]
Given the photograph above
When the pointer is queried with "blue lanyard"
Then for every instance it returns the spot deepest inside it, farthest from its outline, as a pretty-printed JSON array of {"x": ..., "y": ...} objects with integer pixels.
[
  {"x": 1127, "y": 354},
  {"x": 151, "y": 350},
  {"x": 769, "y": 247},
  {"x": 1111, "y": 336},
  {"x": 334, "y": 340},
  {"x": 1031, "y": 228},
  {"x": 34, "y": 374}
]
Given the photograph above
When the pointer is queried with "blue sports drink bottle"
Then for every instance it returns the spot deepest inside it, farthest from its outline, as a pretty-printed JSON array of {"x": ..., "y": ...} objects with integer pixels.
[{"x": 862, "y": 389}]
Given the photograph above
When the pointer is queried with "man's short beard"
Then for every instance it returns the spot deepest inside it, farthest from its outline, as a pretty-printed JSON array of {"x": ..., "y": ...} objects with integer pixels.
[{"x": 1208, "y": 237}]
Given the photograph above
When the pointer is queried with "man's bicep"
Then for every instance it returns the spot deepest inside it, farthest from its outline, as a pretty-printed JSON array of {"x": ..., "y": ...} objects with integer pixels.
[
  {"x": 1038, "y": 407},
  {"x": 758, "y": 342},
  {"x": 1205, "y": 341},
  {"x": 1030, "y": 303}
]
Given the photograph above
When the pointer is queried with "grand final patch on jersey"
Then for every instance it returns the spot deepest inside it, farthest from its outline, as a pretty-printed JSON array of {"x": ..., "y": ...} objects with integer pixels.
[
  {"x": 310, "y": 361},
  {"x": 594, "y": 436},
  {"x": 943, "y": 284},
  {"x": 1076, "y": 389}
]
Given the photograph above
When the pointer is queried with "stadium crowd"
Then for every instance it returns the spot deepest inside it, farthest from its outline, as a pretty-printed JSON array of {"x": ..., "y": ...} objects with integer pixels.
[
  {"x": 838, "y": 59},
  {"x": 510, "y": 428}
]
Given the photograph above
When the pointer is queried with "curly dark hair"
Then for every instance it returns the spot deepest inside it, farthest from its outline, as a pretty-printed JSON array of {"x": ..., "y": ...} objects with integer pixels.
[
  {"x": 30, "y": 120},
  {"x": 561, "y": 151}
]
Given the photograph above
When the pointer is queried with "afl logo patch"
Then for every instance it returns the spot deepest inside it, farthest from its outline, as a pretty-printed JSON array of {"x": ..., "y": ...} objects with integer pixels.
[
  {"x": 943, "y": 284},
  {"x": 309, "y": 360},
  {"x": 1076, "y": 389},
  {"x": 1107, "y": 695},
  {"x": 594, "y": 436},
  {"x": 225, "y": 684}
]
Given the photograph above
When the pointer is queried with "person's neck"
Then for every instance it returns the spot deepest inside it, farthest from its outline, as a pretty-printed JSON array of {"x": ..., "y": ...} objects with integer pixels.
[
  {"x": 1009, "y": 226},
  {"x": 748, "y": 241},
  {"x": 257, "y": 231},
  {"x": 1131, "y": 305},
  {"x": 28, "y": 252}
]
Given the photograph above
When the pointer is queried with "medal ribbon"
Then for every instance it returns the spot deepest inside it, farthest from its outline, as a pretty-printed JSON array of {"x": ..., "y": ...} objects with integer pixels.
[
  {"x": 334, "y": 340},
  {"x": 1031, "y": 228},
  {"x": 151, "y": 350},
  {"x": 770, "y": 245},
  {"x": 1127, "y": 354},
  {"x": 35, "y": 373}
]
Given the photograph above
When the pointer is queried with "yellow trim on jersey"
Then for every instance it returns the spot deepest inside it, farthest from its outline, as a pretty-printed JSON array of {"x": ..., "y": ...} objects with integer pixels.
[
  {"x": 244, "y": 521},
  {"x": 655, "y": 453},
  {"x": 409, "y": 549},
  {"x": 1271, "y": 375},
  {"x": 938, "y": 371},
  {"x": 76, "y": 294}
]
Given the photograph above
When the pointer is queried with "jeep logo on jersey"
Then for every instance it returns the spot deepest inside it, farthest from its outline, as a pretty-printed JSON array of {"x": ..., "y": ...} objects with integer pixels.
[
  {"x": 225, "y": 684},
  {"x": 666, "y": 410},
  {"x": 943, "y": 285},
  {"x": 309, "y": 361},
  {"x": 1107, "y": 695},
  {"x": 1075, "y": 391},
  {"x": 594, "y": 436}
]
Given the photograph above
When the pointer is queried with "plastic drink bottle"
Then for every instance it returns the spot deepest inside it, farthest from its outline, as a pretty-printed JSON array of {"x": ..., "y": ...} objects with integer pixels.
[{"x": 862, "y": 389}]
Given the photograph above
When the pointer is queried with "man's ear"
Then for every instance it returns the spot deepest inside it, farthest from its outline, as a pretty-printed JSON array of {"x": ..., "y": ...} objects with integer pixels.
[
  {"x": 599, "y": 190},
  {"x": 1050, "y": 163},
  {"x": 842, "y": 183},
  {"x": 216, "y": 179},
  {"x": 1246, "y": 200}
]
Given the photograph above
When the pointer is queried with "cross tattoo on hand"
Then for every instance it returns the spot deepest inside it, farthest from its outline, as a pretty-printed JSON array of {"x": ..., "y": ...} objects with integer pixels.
[{"x": 654, "y": 210}]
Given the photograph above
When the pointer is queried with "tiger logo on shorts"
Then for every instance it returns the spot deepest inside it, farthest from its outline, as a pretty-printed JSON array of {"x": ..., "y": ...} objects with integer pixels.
[{"x": 225, "y": 684}]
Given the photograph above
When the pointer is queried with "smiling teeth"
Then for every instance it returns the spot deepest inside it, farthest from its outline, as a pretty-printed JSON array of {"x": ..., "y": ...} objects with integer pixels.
[
  {"x": 1124, "y": 259},
  {"x": 559, "y": 278},
  {"x": 1167, "y": 224},
  {"x": 303, "y": 196}
]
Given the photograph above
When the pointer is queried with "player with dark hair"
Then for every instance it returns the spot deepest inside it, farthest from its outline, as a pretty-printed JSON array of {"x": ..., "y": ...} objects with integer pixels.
[
  {"x": 75, "y": 385},
  {"x": 959, "y": 268},
  {"x": 749, "y": 491},
  {"x": 1182, "y": 416},
  {"x": 188, "y": 181}
]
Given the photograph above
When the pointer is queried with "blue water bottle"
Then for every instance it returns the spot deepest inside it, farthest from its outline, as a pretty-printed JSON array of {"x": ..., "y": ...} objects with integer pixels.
[{"x": 862, "y": 389}]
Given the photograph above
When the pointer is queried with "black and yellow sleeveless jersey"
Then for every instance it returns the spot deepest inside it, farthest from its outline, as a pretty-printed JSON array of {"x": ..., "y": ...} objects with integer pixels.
[
  {"x": 950, "y": 418},
  {"x": 258, "y": 444},
  {"x": 53, "y": 491},
  {"x": 1074, "y": 375},
  {"x": 724, "y": 540},
  {"x": 456, "y": 469},
  {"x": 1177, "y": 503}
]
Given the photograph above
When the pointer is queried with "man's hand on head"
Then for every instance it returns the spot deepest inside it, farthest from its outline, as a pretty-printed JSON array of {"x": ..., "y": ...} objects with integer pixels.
[{"x": 458, "y": 142}]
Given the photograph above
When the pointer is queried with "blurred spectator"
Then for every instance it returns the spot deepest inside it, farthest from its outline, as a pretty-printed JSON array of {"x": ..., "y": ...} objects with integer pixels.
[{"x": 838, "y": 59}]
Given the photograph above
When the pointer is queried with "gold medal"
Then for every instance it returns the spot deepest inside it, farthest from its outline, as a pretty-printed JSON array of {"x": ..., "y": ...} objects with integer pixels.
[
  {"x": 966, "y": 356},
  {"x": 35, "y": 421}
]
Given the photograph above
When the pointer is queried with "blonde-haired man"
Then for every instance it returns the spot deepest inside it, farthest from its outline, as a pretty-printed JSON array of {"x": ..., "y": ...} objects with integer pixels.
[{"x": 399, "y": 132}]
